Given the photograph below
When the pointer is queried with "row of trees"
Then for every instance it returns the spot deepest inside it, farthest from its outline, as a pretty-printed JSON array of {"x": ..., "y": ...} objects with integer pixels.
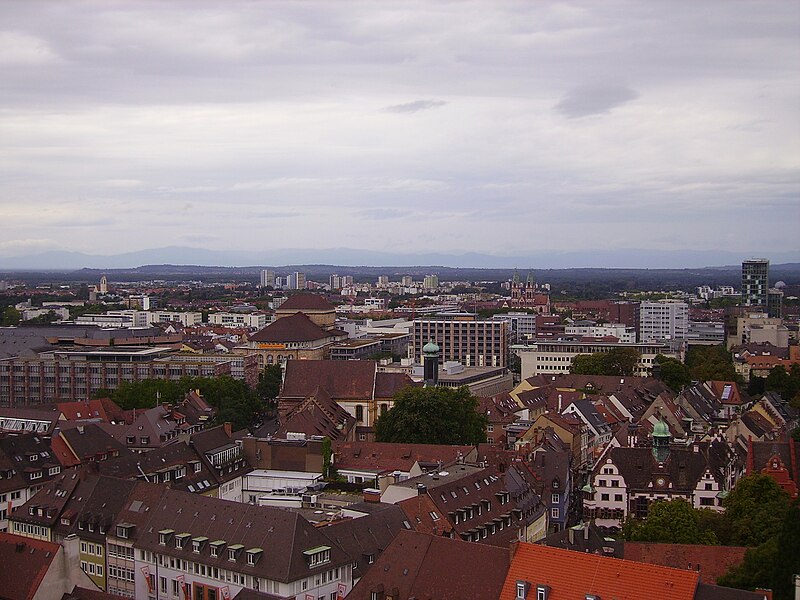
[
  {"x": 758, "y": 513},
  {"x": 233, "y": 399}
]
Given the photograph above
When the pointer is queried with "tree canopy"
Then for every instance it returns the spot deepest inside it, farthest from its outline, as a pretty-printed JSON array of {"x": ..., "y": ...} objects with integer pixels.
[
  {"x": 432, "y": 415},
  {"x": 10, "y": 316},
  {"x": 711, "y": 363},
  {"x": 671, "y": 522},
  {"x": 233, "y": 399},
  {"x": 674, "y": 373},
  {"x": 619, "y": 361},
  {"x": 786, "y": 383},
  {"x": 755, "y": 510}
]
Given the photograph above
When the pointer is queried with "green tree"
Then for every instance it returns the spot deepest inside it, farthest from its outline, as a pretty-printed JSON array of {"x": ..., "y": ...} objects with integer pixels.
[
  {"x": 11, "y": 316},
  {"x": 619, "y": 361},
  {"x": 671, "y": 522},
  {"x": 786, "y": 383},
  {"x": 674, "y": 373},
  {"x": 269, "y": 383},
  {"x": 432, "y": 415},
  {"x": 755, "y": 510},
  {"x": 711, "y": 363}
]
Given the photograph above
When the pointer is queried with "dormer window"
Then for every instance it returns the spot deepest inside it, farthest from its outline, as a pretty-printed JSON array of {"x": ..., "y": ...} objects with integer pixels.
[
  {"x": 542, "y": 592},
  {"x": 522, "y": 590},
  {"x": 216, "y": 547},
  {"x": 164, "y": 535},
  {"x": 318, "y": 556},
  {"x": 131, "y": 440},
  {"x": 180, "y": 540},
  {"x": 197, "y": 544},
  {"x": 197, "y": 467},
  {"x": 234, "y": 551},
  {"x": 253, "y": 554},
  {"x": 124, "y": 530}
]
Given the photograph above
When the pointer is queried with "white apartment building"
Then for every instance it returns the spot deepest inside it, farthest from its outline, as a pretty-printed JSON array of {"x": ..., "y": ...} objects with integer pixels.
[
  {"x": 555, "y": 357},
  {"x": 625, "y": 334},
  {"x": 187, "y": 319},
  {"x": 521, "y": 325},
  {"x": 663, "y": 320},
  {"x": 254, "y": 320}
]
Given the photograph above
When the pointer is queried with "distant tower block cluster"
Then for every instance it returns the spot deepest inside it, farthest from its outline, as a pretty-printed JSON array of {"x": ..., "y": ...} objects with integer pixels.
[{"x": 267, "y": 278}]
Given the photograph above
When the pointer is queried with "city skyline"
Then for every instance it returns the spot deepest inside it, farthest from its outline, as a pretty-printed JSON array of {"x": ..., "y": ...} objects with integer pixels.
[{"x": 497, "y": 129}]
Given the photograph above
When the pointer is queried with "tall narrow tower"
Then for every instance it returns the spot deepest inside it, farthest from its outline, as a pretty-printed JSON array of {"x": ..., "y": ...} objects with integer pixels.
[
  {"x": 103, "y": 289},
  {"x": 755, "y": 282},
  {"x": 430, "y": 363}
]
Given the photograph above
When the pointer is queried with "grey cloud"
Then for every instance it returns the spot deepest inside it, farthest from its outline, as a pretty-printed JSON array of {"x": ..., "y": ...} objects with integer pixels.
[
  {"x": 416, "y": 106},
  {"x": 594, "y": 100}
]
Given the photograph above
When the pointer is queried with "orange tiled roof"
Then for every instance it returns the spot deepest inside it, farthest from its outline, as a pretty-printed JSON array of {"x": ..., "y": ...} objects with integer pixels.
[{"x": 575, "y": 574}]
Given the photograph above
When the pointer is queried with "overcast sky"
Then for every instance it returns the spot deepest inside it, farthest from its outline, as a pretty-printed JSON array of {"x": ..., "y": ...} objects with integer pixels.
[{"x": 496, "y": 127}]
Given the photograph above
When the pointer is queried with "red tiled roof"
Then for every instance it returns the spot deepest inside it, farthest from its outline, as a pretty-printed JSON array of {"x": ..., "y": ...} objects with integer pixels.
[
  {"x": 306, "y": 302},
  {"x": 424, "y": 515},
  {"x": 384, "y": 456},
  {"x": 29, "y": 561},
  {"x": 295, "y": 328},
  {"x": 434, "y": 567},
  {"x": 388, "y": 384},
  {"x": 710, "y": 561},
  {"x": 343, "y": 379},
  {"x": 575, "y": 574}
]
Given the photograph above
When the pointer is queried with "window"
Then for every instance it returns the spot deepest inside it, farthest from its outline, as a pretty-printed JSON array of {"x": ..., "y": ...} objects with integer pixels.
[
  {"x": 197, "y": 467},
  {"x": 706, "y": 502},
  {"x": 554, "y": 513},
  {"x": 617, "y": 497},
  {"x": 359, "y": 412},
  {"x": 555, "y": 499},
  {"x": 522, "y": 590},
  {"x": 604, "y": 497}
]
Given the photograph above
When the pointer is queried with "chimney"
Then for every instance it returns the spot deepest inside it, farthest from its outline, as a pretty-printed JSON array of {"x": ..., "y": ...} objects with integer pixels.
[
  {"x": 227, "y": 427},
  {"x": 72, "y": 560},
  {"x": 512, "y": 549},
  {"x": 421, "y": 489},
  {"x": 571, "y": 536},
  {"x": 586, "y": 531},
  {"x": 372, "y": 495}
]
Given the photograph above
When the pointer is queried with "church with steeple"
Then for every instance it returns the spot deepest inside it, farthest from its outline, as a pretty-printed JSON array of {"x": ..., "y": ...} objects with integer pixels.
[{"x": 528, "y": 295}]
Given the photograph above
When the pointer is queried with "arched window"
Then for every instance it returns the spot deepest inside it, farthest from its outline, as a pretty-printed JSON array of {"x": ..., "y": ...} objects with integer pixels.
[{"x": 270, "y": 359}]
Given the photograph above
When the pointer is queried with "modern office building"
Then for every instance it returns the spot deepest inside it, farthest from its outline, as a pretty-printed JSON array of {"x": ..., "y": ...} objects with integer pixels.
[
  {"x": 267, "y": 278},
  {"x": 755, "y": 282},
  {"x": 471, "y": 342},
  {"x": 663, "y": 320}
]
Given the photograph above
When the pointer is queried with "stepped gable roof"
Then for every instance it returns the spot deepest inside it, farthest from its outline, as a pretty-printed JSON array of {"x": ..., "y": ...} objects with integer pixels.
[
  {"x": 367, "y": 536},
  {"x": 318, "y": 414},
  {"x": 388, "y": 384},
  {"x": 424, "y": 516},
  {"x": 759, "y": 454},
  {"x": 294, "y": 328},
  {"x": 284, "y": 537},
  {"x": 711, "y": 562},
  {"x": 386, "y": 456},
  {"x": 343, "y": 379},
  {"x": 302, "y": 302},
  {"x": 91, "y": 442},
  {"x": 610, "y": 577},
  {"x": 683, "y": 467},
  {"x": 416, "y": 565},
  {"x": 29, "y": 560}
]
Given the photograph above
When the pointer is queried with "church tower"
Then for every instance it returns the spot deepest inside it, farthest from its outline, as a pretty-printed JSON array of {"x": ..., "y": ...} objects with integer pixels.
[
  {"x": 661, "y": 441},
  {"x": 430, "y": 363}
]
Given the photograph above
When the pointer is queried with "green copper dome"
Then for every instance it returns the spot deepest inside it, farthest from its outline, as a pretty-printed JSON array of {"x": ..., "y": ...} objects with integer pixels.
[
  {"x": 430, "y": 348},
  {"x": 660, "y": 429}
]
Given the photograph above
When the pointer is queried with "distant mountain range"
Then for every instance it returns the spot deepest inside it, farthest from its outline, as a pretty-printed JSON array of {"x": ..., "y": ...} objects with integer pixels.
[{"x": 349, "y": 257}]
